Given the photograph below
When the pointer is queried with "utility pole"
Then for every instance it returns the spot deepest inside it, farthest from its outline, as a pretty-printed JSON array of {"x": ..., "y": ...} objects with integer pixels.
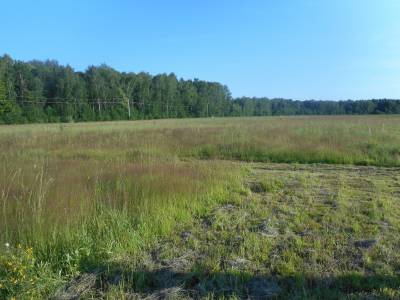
[
  {"x": 22, "y": 83},
  {"x": 99, "y": 106},
  {"x": 129, "y": 108},
  {"x": 167, "y": 111},
  {"x": 142, "y": 109}
]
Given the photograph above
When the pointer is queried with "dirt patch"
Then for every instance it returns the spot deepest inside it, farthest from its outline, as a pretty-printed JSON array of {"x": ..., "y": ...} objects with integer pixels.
[{"x": 77, "y": 288}]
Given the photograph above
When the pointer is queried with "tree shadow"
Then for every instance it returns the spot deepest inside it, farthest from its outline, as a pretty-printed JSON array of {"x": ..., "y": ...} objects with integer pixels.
[{"x": 168, "y": 283}]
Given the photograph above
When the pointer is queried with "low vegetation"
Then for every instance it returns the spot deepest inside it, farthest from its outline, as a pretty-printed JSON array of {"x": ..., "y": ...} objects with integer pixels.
[
  {"x": 297, "y": 232},
  {"x": 180, "y": 208}
]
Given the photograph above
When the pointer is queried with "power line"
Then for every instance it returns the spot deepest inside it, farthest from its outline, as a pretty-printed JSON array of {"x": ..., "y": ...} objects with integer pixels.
[
  {"x": 94, "y": 101},
  {"x": 170, "y": 109}
]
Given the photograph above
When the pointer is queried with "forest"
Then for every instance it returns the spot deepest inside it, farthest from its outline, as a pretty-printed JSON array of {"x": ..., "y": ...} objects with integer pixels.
[{"x": 46, "y": 91}]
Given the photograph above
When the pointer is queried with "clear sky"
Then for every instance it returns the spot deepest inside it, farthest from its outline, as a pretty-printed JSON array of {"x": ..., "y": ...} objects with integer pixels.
[{"x": 300, "y": 49}]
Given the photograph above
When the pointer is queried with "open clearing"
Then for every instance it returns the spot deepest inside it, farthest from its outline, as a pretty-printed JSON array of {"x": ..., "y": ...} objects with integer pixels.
[
  {"x": 293, "y": 207},
  {"x": 312, "y": 232}
]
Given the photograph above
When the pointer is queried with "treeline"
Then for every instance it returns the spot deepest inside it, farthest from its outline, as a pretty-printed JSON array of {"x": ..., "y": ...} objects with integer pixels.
[
  {"x": 38, "y": 91},
  {"x": 272, "y": 107}
]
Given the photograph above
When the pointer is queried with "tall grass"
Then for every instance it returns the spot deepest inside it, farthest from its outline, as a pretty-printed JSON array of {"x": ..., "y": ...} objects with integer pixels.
[
  {"x": 363, "y": 140},
  {"x": 82, "y": 195},
  {"x": 81, "y": 215}
]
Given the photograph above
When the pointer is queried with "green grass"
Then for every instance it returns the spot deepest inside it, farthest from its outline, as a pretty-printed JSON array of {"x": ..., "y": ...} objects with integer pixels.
[
  {"x": 309, "y": 232},
  {"x": 103, "y": 212},
  {"x": 122, "y": 199}
]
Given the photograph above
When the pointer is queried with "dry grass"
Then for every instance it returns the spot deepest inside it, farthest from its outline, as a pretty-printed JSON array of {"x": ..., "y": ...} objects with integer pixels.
[
  {"x": 365, "y": 140},
  {"x": 300, "y": 232},
  {"x": 86, "y": 195}
]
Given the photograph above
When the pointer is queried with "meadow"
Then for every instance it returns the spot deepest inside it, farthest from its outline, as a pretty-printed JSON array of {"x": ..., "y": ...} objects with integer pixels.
[{"x": 280, "y": 207}]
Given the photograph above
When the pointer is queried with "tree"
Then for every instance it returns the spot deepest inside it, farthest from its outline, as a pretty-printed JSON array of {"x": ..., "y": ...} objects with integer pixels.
[{"x": 45, "y": 91}]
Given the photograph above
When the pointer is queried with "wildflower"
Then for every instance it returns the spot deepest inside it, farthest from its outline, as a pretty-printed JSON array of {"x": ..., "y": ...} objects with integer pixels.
[{"x": 7, "y": 245}]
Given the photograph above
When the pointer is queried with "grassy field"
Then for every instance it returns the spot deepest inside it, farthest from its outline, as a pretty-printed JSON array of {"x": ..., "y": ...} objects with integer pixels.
[{"x": 279, "y": 207}]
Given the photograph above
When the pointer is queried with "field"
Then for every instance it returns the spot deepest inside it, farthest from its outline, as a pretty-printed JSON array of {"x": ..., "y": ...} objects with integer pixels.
[{"x": 268, "y": 207}]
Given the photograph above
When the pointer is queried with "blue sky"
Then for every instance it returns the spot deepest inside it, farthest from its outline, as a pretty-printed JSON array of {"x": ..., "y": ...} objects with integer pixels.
[{"x": 296, "y": 49}]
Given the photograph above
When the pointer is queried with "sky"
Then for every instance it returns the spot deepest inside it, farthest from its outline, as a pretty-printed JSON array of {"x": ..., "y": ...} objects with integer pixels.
[{"x": 298, "y": 49}]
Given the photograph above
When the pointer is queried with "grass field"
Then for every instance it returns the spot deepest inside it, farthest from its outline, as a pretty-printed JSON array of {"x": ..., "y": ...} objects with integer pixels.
[{"x": 278, "y": 207}]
